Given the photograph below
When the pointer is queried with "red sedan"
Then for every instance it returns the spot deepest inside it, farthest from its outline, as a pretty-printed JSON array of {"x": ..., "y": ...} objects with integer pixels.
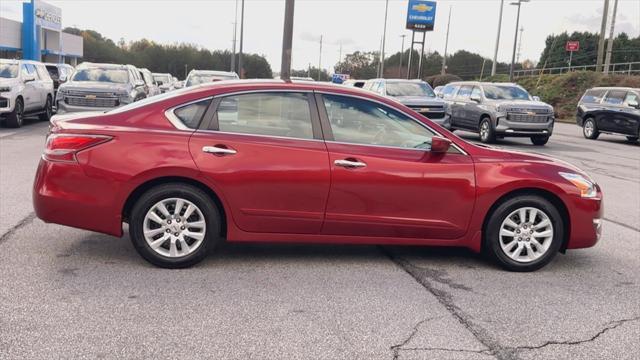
[{"x": 307, "y": 163}]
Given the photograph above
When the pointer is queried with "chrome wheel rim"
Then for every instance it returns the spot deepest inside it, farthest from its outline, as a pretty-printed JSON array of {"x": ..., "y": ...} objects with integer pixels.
[
  {"x": 526, "y": 234},
  {"x": 174, "y": 227},
  {"x": 588, "y": 128},
  {"x": 484, "y": 130}
]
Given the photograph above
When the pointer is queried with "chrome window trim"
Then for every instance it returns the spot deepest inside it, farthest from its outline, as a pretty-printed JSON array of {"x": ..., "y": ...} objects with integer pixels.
[
  {"x": 175, "y": 121},
  {"x": 257, "y": 135},
  {"x": 398, "y": 110},
  {"x": 242, "y": 92}
]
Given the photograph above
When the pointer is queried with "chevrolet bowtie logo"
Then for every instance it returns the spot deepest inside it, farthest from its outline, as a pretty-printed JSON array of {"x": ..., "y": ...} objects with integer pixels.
[{"x": 421, "y": 8}]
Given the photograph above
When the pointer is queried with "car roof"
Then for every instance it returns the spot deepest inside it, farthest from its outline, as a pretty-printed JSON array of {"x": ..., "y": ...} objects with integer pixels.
[
  {"x": 212, "y": 72},
  {"x": 614, "y": 88},
  {"x": 103, "y": 65},
  {"x": 18, "y": 61},
  {"x": 396, "y": 80},
  {"x": 482, "y": 83}
]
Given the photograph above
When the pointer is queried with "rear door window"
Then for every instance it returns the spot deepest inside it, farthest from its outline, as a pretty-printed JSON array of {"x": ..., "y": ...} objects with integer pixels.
[
  {"x": 465, "y": 92},
  {"x": 615, "y": 97},
  {"x": 285, "y": 114}
]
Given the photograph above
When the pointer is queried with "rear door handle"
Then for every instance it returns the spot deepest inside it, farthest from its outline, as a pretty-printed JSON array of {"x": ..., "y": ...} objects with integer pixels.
[
  {"x": 218, "y": 150},
  {"x": 349, "y": 164}
]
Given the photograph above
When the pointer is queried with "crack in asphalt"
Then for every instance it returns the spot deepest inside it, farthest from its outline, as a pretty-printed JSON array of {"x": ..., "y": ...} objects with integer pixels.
[
  {"x": 484, "y": 352},
  {"x": 446, "y": 299},
  {"x": 22, "y": 223},
  {"x": 609, "y": 326},
  {"x": 396, "y": 348},
  {"x": 622, "y": 224}
]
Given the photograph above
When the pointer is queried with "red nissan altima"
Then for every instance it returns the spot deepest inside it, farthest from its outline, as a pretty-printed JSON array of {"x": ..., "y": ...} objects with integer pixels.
[{"x": 272, "y": 161}]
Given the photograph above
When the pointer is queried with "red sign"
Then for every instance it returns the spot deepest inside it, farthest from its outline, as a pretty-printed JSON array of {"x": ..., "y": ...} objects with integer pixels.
[{"x": 572, "y": 46}]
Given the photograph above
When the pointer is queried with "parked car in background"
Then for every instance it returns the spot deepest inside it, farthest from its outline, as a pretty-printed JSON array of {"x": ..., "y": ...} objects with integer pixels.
[
  {"x": 197, "y": 77},
  {"x": 165, "y": 81},
  {"x": 152, "y": 87},
  {"x": 498, "y": 110},
  {"x": 264, "y": 161},
  {"x": 354, "y": 83},
  {"x": 100, "y": 87},
  {"x": 301, "y": 78},
  {"x": 25, "y": 89},
  {"x": 613, "y": 110},
  {"x": 59, "y": 73},
  {"x": 178, "y": 84},
  {"x": 438, "y": 90},
  {"x": 415, "y": 94}
]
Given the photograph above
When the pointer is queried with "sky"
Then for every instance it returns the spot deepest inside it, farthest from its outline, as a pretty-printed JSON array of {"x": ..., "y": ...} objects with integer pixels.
[{"x": 354, "y": 24}]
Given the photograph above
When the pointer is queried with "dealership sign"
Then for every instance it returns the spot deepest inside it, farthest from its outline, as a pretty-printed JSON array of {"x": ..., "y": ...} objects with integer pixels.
[
  {"x": 48, "y": 16},
  {"x": 572, "y": 46},
  {"x": 421, "y": 15}
]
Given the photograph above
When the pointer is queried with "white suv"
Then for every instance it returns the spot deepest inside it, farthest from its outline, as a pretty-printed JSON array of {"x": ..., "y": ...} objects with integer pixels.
[{"x": 25, "y": 89}]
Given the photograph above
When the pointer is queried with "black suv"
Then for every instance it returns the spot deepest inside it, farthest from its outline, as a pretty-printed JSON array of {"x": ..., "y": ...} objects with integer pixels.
[{"x": 610, "y": 110}]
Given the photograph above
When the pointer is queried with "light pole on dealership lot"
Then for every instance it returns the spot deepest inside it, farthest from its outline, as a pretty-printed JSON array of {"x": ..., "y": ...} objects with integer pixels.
[
  {"x": 402, "y": 52},
  {"x": 287, "y": 39},
  {"x": 233, "y": 51},
  {"x": 495, "y": 52},
  {"x": 446, "y": 44},
  {"x": 515, "y": 39},
  {"x": 240, "y": 72},
  {"x": 384, "y": 36}
]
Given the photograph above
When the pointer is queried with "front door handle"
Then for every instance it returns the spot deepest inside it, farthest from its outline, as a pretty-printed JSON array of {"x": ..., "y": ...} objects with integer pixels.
[
  {"x": 349, "y": 164},
  {"x": 218, "y": 150}
]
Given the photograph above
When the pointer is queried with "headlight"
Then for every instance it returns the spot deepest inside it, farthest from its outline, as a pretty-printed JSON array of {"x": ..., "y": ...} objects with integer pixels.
[
  {"x": 587, "y": 187},
  {"x": 5, "y": 89}
]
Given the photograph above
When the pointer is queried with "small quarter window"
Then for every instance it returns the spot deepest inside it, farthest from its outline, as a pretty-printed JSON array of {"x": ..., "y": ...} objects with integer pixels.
[
  {"x": 190, "y": 115},
  {"x": 593, "y": 96}
]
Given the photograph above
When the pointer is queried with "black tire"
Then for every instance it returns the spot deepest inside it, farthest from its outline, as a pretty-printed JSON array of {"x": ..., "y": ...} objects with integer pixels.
[
  {"x": 492, "y": 232},
  {"x": 590, "y": 129},
  {"x": 632, "y": 138},
  {"x": 193, "y": 194},
  {"x": 48, "y": 110},
  {"x": 16, "y": 117},
  {"x": 539, "y": 140},
  {"x": 487, "y": 132}
]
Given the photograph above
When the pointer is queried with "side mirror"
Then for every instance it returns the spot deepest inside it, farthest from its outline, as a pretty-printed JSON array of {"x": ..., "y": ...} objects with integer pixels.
[
  {"x": 440, "y": 145},
  {"x": 634, "y": 104},
  {"x": 536, "y": 98},
  {"x": 139, "y": 83},
  {"x": 476, "y": 98},
  {"x": 29, "y": 79}
]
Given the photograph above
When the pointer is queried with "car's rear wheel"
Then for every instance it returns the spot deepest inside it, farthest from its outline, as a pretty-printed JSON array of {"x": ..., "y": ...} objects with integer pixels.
[
  {"x": 174, "y": 225},
  {"x": 487, "y": 133},
  {"x": 524, "y": 233},
  {"x": 15, "y": 118},
  {"x": 539, "y": 140},
  {"x": 632, "y": 138},
  {"x": 47, "y": 111},
  {"x": 590, "y": 129}
]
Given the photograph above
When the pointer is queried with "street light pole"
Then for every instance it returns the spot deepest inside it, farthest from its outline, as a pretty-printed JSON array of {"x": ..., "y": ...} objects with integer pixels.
[
  {"x": 515, "y": 38},
  {"x": 384, "y": 36},
  {"x": 287, "y": 40},
  {"x": 240, "y": 72},
  {"x": 320, "y": 60},
  {"x": 607, "y": 60},
  {"x": 402, "y": 52},
  {"x": 495, "y": 52},
  {"x": 446, "y": 45},
  {"x": 235, "y": 27},
  {"x": 603, "y": 29}
]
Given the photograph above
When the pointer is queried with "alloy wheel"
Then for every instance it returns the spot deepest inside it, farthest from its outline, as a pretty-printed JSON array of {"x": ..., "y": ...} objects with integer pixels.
[
  {"x": 484, "y": 130},
  {"x": 526, "y": 234},
  {"x": 588, "y": 128},
  {"x": 174, "y": 227}
]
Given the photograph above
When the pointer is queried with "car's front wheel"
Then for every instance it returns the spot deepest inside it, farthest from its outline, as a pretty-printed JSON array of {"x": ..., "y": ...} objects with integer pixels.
[
  {"x": 47, "y": 111},
  {"x": 590, "y": 129},
  {"x": 174, "y": 225},
  {"x": 487, "y": 133},
  {"x": 15, "y": 118},
  {"x": 524, "y": 233},
  {"x": 539, "y": 140}
]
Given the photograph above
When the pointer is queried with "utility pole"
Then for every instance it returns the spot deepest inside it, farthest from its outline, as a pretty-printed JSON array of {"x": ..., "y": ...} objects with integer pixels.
[
  {"x": 233, "y": 51},
  {"x": 603, "y": 28},
  {"x": 320, "y": 60},
  {"x": 495, "y": 52},
  {"x": 287, "y": 40},
  {"x": 515, "y": 38},
  {"x": 607, "y": 60},
  {"x": 240, "y": 72},
  {"x": 484, "y": 60},
  {"x": 519, "y": 45},
  {"x": 185, "y": 71},
  {"x": 446, "y": 45},
  {"x": 402, "y": 52},
  {"x": 384, "y": 36},
  {"x": 340, "y": 53}
]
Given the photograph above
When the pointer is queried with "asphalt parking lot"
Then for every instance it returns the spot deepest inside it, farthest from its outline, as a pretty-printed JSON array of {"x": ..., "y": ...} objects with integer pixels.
[{"x": 67, "y": 293}]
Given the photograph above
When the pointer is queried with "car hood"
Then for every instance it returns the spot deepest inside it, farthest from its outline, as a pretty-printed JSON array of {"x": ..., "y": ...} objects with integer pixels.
[
  {"x": 96, "y": 86},
  {"x": 419, "y": 100},
  {"x": 9, "y": 81}
]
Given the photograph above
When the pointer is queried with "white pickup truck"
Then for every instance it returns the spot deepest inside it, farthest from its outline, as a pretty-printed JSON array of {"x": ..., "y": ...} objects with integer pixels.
[{"x": 25, "y": 89}]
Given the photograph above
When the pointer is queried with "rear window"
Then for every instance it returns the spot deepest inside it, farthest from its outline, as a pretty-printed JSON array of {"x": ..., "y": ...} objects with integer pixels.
[
  {"x": 615, "y": 97},
  {"x": 190, "y": 115},
  {"x": 593, "y": 96}
]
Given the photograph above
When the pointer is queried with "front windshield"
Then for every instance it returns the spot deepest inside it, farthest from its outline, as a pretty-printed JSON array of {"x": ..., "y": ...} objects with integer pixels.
[
  {"x": 204, "y": 78},
  {"x": 8, "y": 71},
  {"x": 409, "y": 89},
  {"x": 162, "y": 79},
  {"x": 501, "y": 92},
  {"x": 119, "y": 76}
]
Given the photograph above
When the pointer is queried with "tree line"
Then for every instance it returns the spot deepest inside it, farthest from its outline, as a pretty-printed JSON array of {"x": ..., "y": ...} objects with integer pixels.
[{"x": 176, "y": 59}]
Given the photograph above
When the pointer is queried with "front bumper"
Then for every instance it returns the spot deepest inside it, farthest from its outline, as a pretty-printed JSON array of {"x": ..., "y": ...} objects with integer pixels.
[
  {"x": 586, "y": 221},
  {"x": 62, "y": 107},
  {"x": 445, "y": 121},
  {"x": 506, "y": 127},
  {"x": 7, "y": 102}
]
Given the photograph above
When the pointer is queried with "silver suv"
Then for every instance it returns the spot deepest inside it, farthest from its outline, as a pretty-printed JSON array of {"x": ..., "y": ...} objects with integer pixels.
[
  {"x": 25, "y": 89},
  {"x": 416, "y": 94},
  {"x": 498, "y": 110},
  {"x": 197, "y": 77},
  {"x": 99, "y": 87}
]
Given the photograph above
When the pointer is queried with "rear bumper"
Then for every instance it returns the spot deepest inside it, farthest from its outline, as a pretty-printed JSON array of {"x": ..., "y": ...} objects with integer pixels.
[
  {"x": 65, "y": 195},
  {"x": 586, "y": 221}
]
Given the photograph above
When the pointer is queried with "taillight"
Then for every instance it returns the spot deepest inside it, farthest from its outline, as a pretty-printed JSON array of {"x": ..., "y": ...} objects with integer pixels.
[{"x": 63, "y": 147}]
